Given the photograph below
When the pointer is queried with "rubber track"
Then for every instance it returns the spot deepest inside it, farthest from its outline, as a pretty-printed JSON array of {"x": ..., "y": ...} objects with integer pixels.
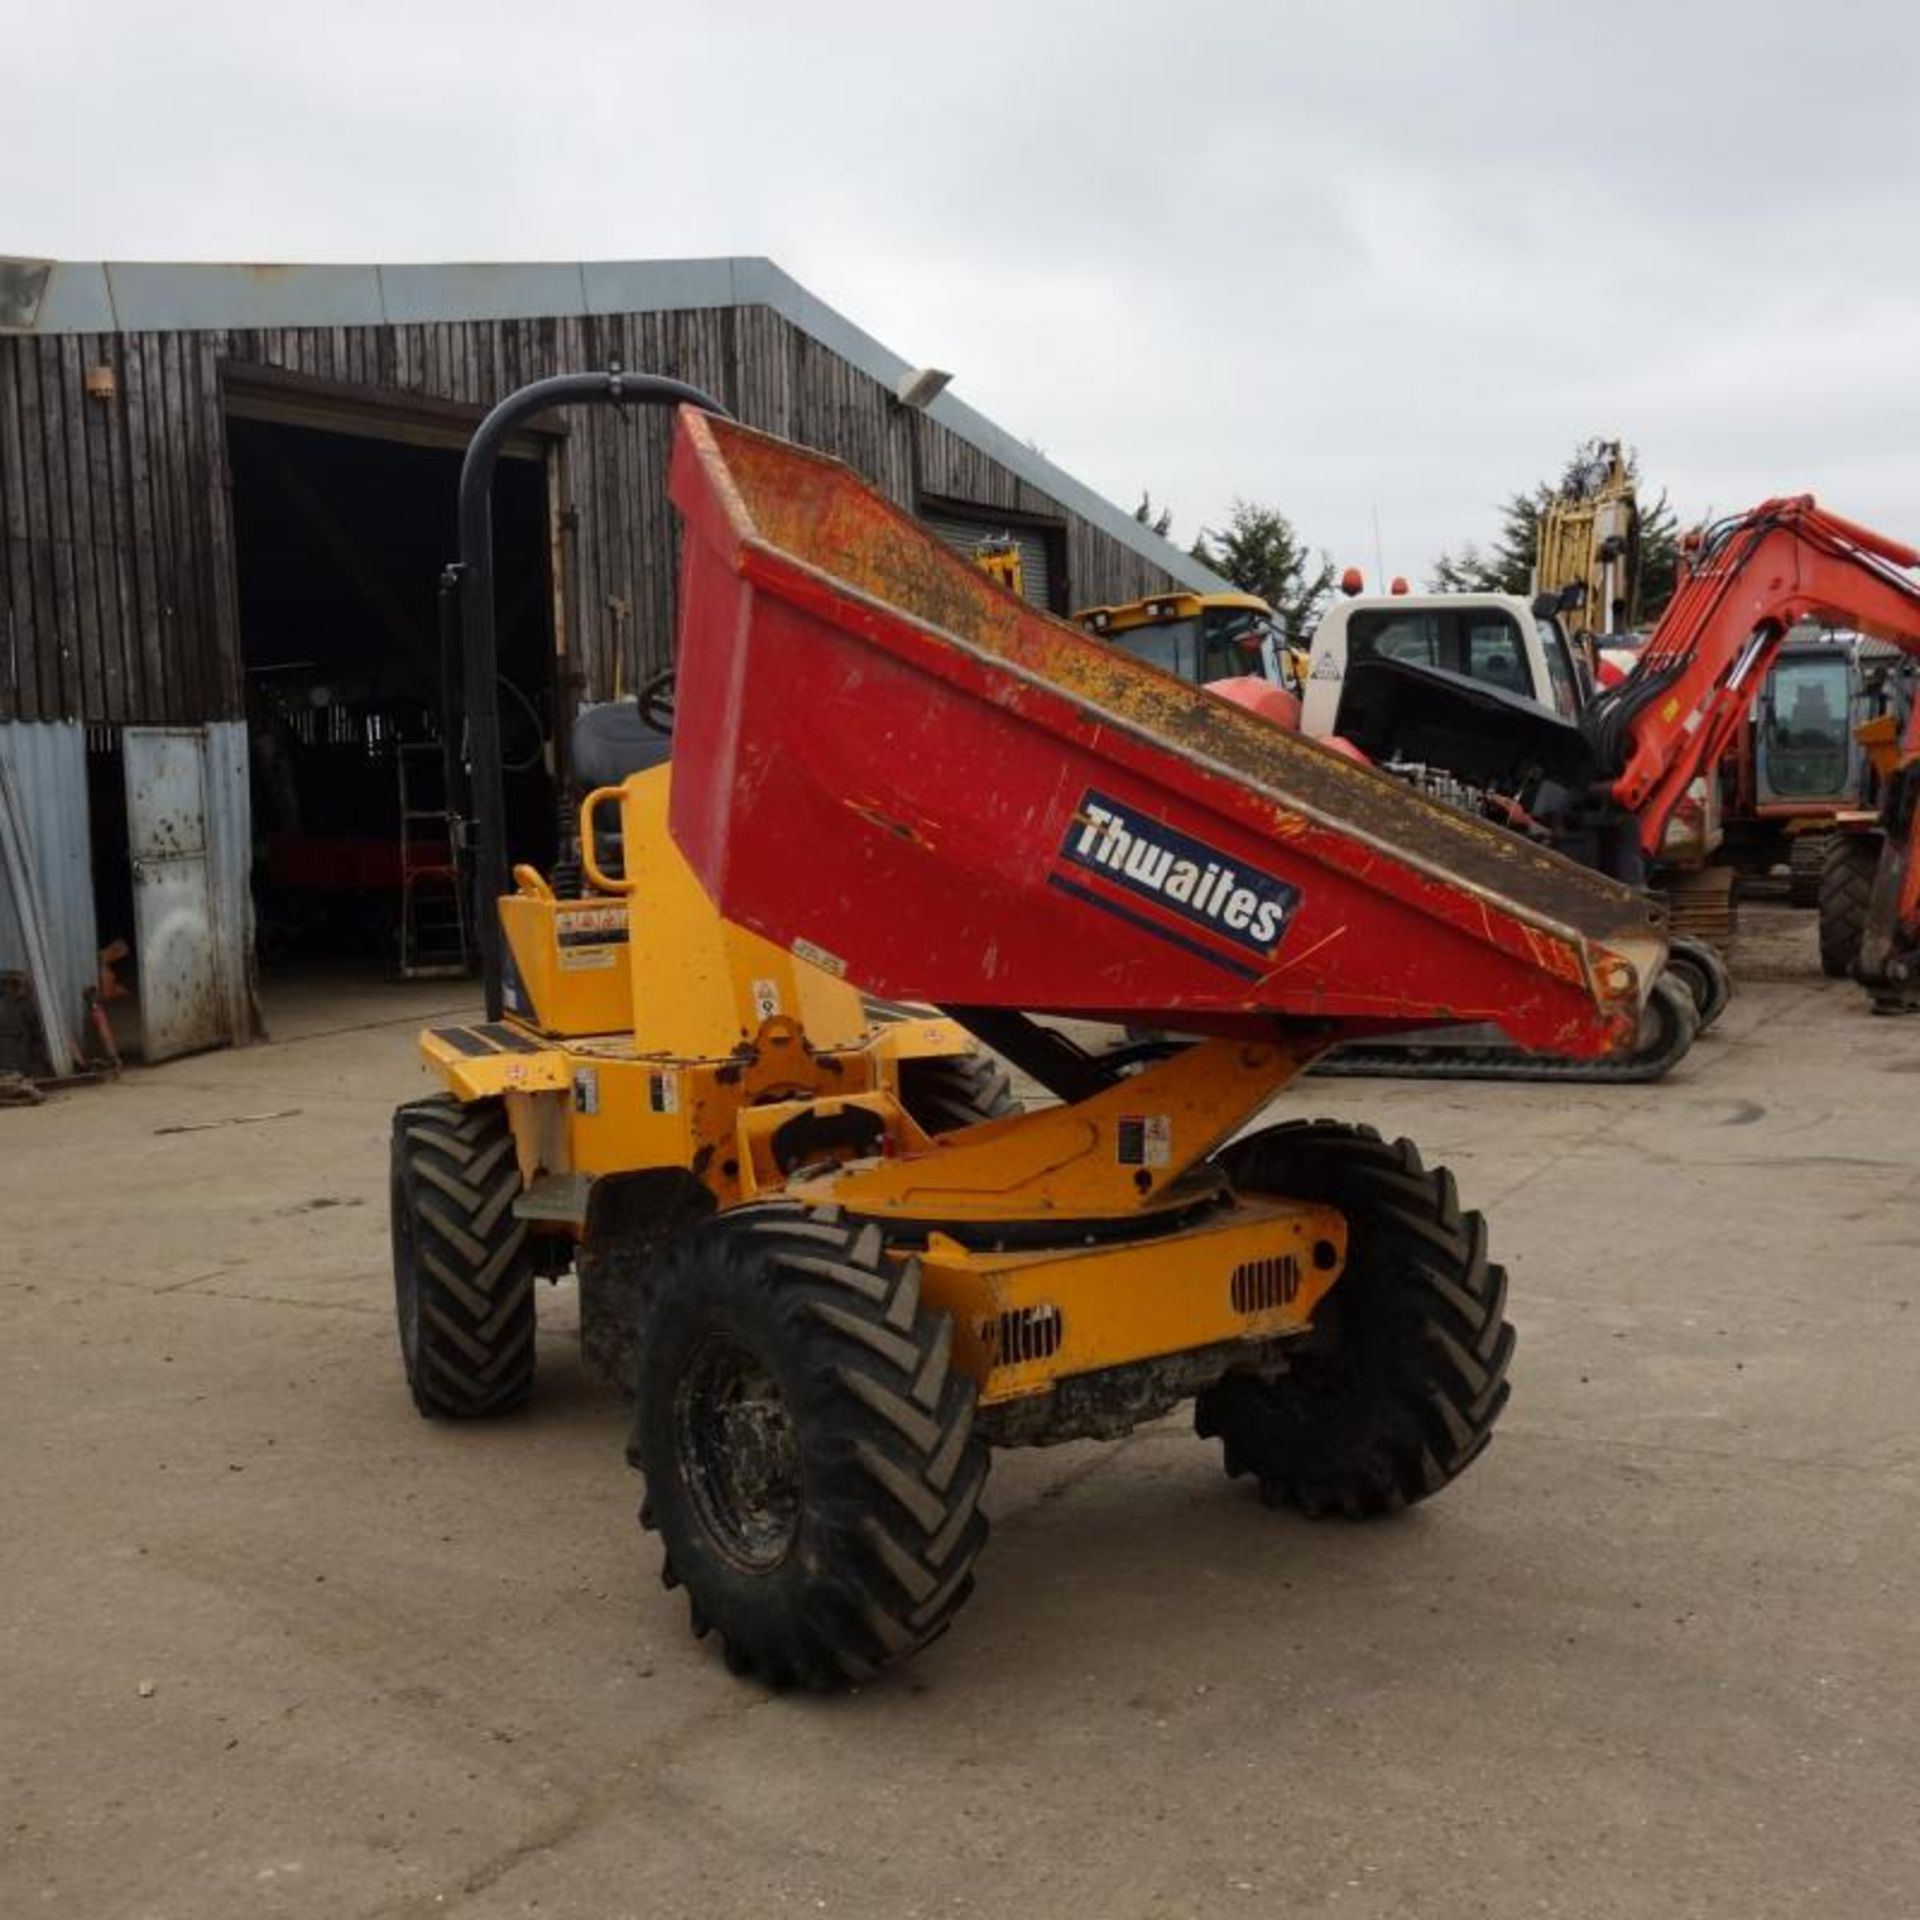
[
  {"x": 1434, "y": 1293},
  {"x": 1674, "y": 1038},
  {"x": 894, "y": 1472},
  {"x": 476, "y": 1345}
]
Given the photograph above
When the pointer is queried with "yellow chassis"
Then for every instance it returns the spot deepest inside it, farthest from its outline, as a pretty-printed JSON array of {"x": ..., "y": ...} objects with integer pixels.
[{"x": 645, "y": 1033}]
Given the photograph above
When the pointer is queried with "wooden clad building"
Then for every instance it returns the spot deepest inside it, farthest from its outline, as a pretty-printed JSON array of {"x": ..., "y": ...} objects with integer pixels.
[
  {"x": 118, "y": 386},
  {"x": 226, "y": 494}
]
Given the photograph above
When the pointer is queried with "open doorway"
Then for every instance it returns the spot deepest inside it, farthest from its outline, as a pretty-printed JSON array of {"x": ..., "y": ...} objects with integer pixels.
[{"x": 339, "y": 539}]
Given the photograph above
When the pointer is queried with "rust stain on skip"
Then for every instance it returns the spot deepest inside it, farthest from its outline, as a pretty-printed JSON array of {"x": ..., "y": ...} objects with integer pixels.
[
  {"x": 871, "y": 812},
  {"x": 1306, "y": 953},
  {"x": 801, "y": 511}
]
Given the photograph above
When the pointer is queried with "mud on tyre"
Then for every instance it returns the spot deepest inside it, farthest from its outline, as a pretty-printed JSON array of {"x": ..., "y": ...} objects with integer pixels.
[
  {"x": 1396, "y": 1390},
  {"x": 462, "y": 1266},
  {"x": 808, "y": 1446}
]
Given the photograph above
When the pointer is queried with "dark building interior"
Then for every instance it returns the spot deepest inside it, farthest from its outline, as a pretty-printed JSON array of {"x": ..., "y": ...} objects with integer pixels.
[{"x": 339, "y": 542}]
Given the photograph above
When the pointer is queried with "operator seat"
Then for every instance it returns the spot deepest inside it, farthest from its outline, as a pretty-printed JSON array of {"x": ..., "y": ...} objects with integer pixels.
[
  {"x": 608, "y": 742},
  {"x": 1811, "y": 721}
]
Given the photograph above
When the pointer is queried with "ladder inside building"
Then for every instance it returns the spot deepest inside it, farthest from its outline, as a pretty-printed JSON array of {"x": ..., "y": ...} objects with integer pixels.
[{"x": 433, "y": 921}]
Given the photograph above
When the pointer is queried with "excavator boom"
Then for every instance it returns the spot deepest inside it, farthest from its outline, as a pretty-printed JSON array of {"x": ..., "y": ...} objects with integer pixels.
[{"x": 1753, "y": 578}]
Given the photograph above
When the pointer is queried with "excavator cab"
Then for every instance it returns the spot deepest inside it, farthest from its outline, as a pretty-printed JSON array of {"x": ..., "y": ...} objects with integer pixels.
[{"x": 1804, "y": 747}]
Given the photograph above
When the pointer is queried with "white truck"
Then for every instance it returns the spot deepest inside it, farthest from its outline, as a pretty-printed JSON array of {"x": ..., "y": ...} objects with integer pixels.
[
  {"x": 1474, "y": 697},
  {"x": 1498, "y": 639}
]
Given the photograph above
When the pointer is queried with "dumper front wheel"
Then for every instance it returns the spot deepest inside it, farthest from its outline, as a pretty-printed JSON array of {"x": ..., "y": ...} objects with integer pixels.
[
  {"x": 807, "y": 1445},
  {"x": 1395, "y": 1391},
  {"x": 462, "y": 1265}
]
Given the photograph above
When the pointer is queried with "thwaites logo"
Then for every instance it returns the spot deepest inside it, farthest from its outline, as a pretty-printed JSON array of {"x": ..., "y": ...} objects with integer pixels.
[{"x": 1184, "y": 877}]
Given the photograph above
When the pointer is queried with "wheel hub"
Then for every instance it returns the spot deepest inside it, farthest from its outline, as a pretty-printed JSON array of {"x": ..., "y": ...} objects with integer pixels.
[{"x": 739, "y": 1456}]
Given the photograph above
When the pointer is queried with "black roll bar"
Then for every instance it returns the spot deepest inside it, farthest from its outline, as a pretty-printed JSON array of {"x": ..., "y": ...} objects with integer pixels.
[{"x": 470, "y": 578}]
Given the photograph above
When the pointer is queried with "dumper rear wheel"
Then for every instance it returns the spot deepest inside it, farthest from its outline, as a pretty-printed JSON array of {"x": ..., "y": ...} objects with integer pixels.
[
  {"x": 808, "y": 1447},
  {"x": 1396, "y": 1390},
  {"x": 462, "y": 1264},
  {"x": 946, "y": 1092}
]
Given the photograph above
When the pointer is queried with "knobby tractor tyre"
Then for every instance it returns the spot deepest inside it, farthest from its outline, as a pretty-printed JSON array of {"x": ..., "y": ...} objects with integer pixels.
[
  {"x": 950, "y": 1091},
  {"x": 462, "y": 1265},
  {"x": 1396, "y": 1390},
  {"x": 1846, "y": 885},
  {"x": 808, "y": 1447}
]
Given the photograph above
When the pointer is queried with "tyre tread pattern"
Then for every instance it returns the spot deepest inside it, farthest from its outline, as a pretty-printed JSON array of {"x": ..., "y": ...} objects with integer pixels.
[
  {"x": 1806, "y": 863},
  {"x": 948, "y": 1092},
  {"x": 455, "y": 1173},
  {"x": 892, "y": 1470},
  {"x": 1846, "y": 887},
  {"x": 1435, "y": 1306}
]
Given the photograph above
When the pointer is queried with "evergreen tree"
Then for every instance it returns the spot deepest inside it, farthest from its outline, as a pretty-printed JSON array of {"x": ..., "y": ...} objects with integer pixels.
[
  {"x": 1260, "y": 552},
  {"x": 1506, "y": 566},
  {"x": 1659, "y": 558},
  {"x": 1160, "y": 522}
]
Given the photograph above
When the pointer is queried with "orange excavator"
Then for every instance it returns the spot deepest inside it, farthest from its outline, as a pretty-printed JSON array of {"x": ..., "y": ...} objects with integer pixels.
[
  {"x": 1607, "y": 783},
  {"x": 1748, "y": 581}
]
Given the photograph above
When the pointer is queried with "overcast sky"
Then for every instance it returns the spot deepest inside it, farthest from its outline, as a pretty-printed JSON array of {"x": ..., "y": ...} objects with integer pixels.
[{"x": 1345, "y": 259}]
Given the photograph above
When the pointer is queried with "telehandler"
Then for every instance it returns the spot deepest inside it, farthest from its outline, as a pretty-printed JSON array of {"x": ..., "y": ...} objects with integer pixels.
[{"x": 832, "y": 1297}]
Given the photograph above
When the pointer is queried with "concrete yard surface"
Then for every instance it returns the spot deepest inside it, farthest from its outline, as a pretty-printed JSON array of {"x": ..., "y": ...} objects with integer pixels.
[{"x": 271, "y": 1645}]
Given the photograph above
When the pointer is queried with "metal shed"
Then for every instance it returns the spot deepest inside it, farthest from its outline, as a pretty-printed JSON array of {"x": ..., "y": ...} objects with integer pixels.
[{"x": 224, "y": 491}]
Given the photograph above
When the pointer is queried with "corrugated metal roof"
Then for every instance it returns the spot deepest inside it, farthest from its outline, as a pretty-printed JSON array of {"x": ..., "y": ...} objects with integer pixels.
[{"x": 64, "y": 296}]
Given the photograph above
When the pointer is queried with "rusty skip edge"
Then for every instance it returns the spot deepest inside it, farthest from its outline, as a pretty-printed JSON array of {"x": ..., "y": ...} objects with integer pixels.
[
  {"x": 1387, "y": 821},
  {"x": 827, "y": 525}
]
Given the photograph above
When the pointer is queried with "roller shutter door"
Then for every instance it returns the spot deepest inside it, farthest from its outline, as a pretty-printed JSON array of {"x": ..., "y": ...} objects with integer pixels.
[{"x": 1036, "y": 576}]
